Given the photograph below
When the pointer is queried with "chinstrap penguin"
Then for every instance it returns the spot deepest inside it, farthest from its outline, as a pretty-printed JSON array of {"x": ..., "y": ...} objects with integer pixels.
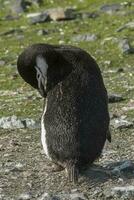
[{"x": 75, "y": 119}]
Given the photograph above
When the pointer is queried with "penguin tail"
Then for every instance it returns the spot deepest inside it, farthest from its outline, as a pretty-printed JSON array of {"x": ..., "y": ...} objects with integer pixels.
[{"x": 73, "y": 172}]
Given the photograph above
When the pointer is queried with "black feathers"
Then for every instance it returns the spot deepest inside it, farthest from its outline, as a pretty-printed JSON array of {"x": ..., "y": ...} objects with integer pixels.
[{"x": 76, "y": 119}]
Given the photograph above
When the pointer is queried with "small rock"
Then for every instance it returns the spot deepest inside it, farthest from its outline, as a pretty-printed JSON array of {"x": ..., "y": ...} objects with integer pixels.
[
  {"x": 126, "y": 192},
  {"x": 113, "y": 98},
  {"x": 129, "y": 106},
  {"x": 129, "y": 26},
  {"x": 42, "y": 32},
  {"x": 84, "y": 37},
  {"x": 19, "y": 6},
  {"x": 37, "y": 2},
  {"x": 39, "y": 18},
  {"x": 13, "y": 123},
  {"x": 77, "y": 196},
  {"x": 125, "y": 46},
  {"x": 45, "y": 196},
  {"x": 126, "y": 166},
  {"x": 2, "y": 62},
  {"x": 111, "y": 8},
  {"x": 91, "y": 15},
  {"x": 25, "y": 196},
  {"x": 121, "y": 192},
  {"x": 57, "y": 14},
  {"x": 121, "y": 123}
]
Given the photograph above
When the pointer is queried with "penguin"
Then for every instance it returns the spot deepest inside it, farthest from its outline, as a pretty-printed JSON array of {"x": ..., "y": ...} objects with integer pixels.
[{"x": 75, "y": 119}]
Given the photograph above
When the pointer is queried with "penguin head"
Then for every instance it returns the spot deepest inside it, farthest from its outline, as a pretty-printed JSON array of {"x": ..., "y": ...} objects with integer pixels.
[{"x": 43, "y": 67}]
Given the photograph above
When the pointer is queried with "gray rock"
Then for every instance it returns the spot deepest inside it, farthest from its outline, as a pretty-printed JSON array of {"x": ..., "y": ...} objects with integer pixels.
[
  {"x": 113, "y": 98},
  {"x": 42, "y": 32},
  {"x": 55, "y": 14},
  {"x": 37, "y": 2},
  {"x": 119, "y": 123},
  {"x": 84, "y": 37},
  {"x": 129, "y": 26},
  {"x": 124, "y": 192},
  {"x": 120, "y": 192},
  {"x": 126, "y": 166},
  {"x": 78, "y": 196},
  {"x": 25, "y": 196},
  {"x": 91, "y": 15},
  {"x": 14, "y": 123},
  {"x": 125, "y": 46},
  {"x": 39, "y": 18},
  {"x": 63, "y": 196},
  {"x": 19, "y": 6},
  {"x": 2, "y": 62},
  {"x": 111, "y": 8}
]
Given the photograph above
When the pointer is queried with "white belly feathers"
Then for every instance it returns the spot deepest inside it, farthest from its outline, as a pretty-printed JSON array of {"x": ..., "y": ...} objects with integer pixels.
[{"x": 43, "y": 132}]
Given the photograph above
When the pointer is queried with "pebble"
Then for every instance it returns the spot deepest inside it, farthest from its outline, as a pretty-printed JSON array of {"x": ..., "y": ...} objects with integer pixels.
[
  {"x": 113, "y": 98},
  {"x": 125, "y": 46},
  {"x": 19, "y": 6},
  {"x": 126, "y": 166},
  {"x": 24, "y": 196},
  {"x": 84, "y": 37},
  {"x": 129, "y": 25},
  {"x": 54, "y": 14},
  {"x": 126, "y": 192},
  {"x": 119, "y": 123},
  {"x": 111, "y": 8},
  {"x": 13, "y": 122}
]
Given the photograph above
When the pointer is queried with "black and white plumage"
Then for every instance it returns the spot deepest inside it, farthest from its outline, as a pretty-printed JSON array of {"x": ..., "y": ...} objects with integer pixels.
[{"x": 75, "y": 120}]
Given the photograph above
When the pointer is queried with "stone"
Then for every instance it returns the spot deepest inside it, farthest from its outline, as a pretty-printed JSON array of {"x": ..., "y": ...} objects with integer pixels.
[
  {"x": 111, "y": 8},
  {"x": 54, "y": 14},
  {"x": 125, "y": 166},
  {"x": 119, "y": 123},
  {"x": 124, "y": 192},
  {"x": 13, "y": 122},
  {"x": 19, "y": 6},
  {"x": 44, "y": 196},
  {"x": 42, "y": 32},
  {"x": 120, "y": 192},
  {"x": 125, "y": 46},
  {"x": 58, "y": 14},
  {"x": 91, "y": 15},
  {"x": 25, "y": 196},
  {"x": 39, "y": 18},
  {"x": 2, "y": 62},
  {"x": 113, "y": 98},
  {"x": 77, "y": 196},
  {"x": 129, "y": 106},
  {"x": 129, "y": 25},
  {"x": 84, "y": 37}
]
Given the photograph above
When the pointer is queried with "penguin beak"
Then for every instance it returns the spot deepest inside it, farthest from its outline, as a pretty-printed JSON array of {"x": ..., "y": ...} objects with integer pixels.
[
  {"x": 42, "y": 81},
  {"x": 41, "y": 75}
]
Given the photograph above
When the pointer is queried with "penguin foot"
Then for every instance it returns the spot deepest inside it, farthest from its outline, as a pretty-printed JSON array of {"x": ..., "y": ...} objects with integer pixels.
[{"x": 73, "y": 173}]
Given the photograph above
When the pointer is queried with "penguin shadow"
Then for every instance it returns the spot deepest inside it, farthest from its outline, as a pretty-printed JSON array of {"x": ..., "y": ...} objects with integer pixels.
[{"x": 97, "y": 174}]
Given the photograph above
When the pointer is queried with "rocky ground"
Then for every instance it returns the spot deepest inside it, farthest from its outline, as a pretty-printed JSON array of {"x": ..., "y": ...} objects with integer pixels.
[{"x": 106, "y": 30}]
